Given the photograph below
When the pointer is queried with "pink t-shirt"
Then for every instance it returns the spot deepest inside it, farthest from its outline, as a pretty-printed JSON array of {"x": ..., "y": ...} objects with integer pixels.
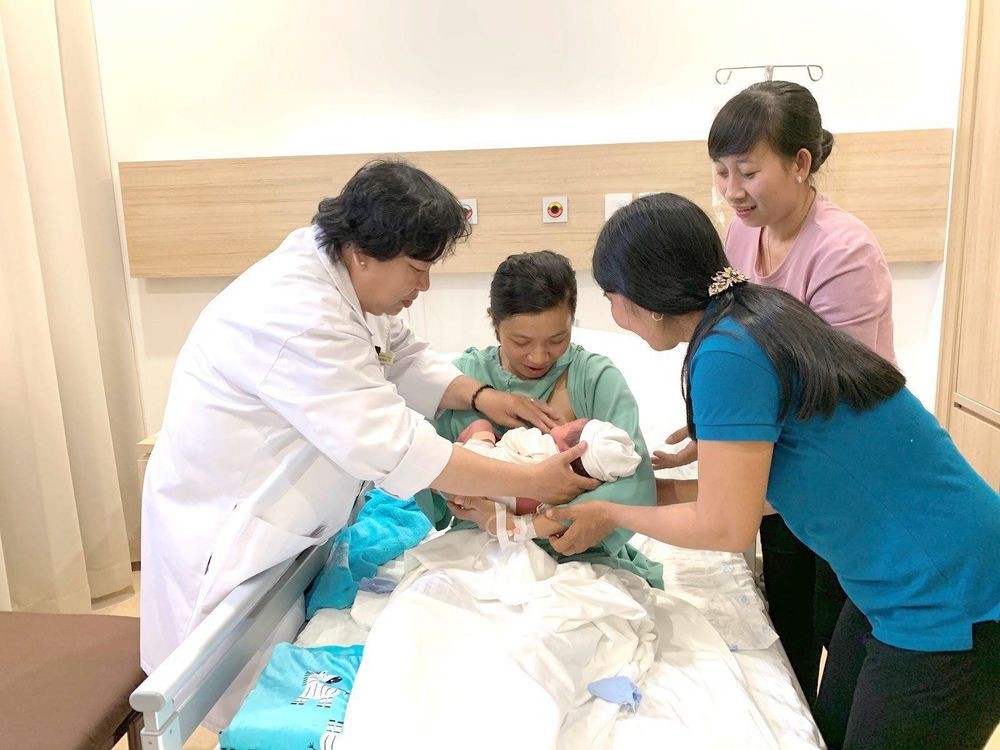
[{"x": 835, "y": 266}]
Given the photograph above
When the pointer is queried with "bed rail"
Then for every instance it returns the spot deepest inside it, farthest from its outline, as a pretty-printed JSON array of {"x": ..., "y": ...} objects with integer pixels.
[{"x": 178, "y": 695}]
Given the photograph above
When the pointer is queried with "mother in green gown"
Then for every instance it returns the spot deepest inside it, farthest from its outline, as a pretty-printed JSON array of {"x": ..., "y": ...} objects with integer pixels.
[{"x": 532, "y": 305}]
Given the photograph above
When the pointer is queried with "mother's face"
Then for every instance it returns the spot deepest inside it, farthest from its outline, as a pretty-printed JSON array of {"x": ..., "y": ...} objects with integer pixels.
[{"x": 531, "y": 343}]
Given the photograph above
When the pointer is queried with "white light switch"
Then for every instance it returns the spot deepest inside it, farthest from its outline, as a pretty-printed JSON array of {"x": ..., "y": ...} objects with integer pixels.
[{"x": 614, "y": 201}]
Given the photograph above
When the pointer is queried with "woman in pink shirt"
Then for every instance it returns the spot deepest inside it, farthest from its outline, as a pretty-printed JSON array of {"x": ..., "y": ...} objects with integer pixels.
[{"x": 766, "y": 143}]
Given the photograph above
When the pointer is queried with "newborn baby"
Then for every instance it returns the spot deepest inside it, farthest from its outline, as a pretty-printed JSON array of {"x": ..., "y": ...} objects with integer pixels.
[{"x": 610, "y": 451}]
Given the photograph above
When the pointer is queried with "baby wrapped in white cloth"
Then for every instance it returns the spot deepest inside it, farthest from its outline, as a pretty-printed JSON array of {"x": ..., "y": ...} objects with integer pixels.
[{"x": 610, "y": 451}]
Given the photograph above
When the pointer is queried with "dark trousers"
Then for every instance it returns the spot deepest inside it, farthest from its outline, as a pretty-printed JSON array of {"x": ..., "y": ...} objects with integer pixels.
[
  {"x": 886, "y": 698},
  {"x": 804, "y": 599}
]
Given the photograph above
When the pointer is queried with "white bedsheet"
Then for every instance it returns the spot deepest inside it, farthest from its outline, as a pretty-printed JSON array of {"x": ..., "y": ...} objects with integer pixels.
[
  {"x": 431, "y": 678},
  {"x": 721, "y": 587}
]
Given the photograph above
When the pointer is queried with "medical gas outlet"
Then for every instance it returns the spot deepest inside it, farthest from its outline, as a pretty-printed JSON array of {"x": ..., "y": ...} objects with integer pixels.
[{"x": 555, "y": 209}]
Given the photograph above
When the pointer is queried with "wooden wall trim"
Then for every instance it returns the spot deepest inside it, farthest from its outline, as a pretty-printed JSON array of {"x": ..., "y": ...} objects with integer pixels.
[
  {"x": 216, "y": 217},
  {"x": 951, "y": 310}
]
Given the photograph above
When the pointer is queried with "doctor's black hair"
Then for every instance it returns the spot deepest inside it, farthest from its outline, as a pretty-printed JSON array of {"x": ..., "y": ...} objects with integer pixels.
[
  {"x": 661, "y": 252},
  {"x": 782, "y": 114},
  {"x": 528, "y": 283},
  {"x": 390, "y": 208}
]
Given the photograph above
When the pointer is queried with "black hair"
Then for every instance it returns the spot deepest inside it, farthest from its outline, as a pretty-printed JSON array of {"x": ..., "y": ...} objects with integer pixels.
[
  {"x": 532, "y": 283},
  {"x": 391, "y": 208},
  {"x": 661, "y": 252},
  {"x": 784, "y": 115}
]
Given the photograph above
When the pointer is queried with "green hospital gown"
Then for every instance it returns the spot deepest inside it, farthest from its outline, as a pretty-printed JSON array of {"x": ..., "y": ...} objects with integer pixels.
[{"x": 597, "y": 390}]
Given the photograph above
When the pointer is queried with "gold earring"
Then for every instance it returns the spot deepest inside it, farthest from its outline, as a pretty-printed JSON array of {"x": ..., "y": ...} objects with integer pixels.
[{"x": 657, "y": 316}]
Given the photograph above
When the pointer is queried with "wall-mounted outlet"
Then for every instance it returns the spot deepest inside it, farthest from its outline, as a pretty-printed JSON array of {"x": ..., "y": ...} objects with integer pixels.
[
  {"x": 555, "y": 209},
  {"x": 614, "y": 201},
  {"x": 648, "y": 192},
  {"x": 471, "y": 206}
]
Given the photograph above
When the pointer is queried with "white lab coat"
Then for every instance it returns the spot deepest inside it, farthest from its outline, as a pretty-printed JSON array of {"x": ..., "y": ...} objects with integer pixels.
[{"x": 278, "y": 411}]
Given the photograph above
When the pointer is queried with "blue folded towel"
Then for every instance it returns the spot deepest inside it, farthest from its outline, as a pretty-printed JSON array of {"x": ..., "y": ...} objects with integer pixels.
[
  {"x": 299, "y": 701},
  {"x": 385, "y": 528}
]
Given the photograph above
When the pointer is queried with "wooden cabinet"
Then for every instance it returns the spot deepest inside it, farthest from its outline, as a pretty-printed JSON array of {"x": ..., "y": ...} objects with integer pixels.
[
  {"x": 979, "y": 332},
  {"x": 979, "y": 442},
  {"x": 968, "y": 401}
]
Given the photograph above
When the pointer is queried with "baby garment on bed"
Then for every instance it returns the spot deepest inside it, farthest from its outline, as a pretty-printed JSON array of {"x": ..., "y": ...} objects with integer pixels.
[
  {"x": 299, "y": 701},
  {"x": 385, "y": 528}
]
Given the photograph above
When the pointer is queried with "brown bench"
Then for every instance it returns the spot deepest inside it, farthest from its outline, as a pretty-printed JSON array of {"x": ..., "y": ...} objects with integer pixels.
[{"x": 65, "y": 681}]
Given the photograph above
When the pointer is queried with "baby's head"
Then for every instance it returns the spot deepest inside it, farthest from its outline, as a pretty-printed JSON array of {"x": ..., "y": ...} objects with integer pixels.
[
  {"x": 567, "y": 435},
  {"x": 610, "y": 451}
]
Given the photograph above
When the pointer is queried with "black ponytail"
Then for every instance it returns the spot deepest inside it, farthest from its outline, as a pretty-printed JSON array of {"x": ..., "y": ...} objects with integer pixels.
[{"x": 817, "y": 365}]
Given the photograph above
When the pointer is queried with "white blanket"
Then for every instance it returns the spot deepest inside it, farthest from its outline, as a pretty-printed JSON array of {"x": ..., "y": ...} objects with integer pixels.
[
  {"x": 496, "y": 645},
  {"x": 430, "y": 678},
  {"x": 494, "y": 648}
]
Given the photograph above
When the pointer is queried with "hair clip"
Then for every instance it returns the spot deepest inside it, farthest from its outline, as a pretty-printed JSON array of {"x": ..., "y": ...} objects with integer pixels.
[{"x": 725, "y": 279}]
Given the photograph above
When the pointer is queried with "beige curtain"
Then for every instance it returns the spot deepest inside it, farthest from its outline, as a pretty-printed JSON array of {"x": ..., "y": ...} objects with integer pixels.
[{"x": 69, "y": 405}]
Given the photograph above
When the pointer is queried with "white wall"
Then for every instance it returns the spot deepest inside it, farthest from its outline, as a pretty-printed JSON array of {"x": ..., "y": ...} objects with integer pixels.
[{"x": 218, "y": 78}]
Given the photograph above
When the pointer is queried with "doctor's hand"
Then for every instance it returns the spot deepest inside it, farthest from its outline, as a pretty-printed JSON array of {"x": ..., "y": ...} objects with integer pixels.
[
  {"x": 592, "y": 520},
  {"x": 686, "y": 455},
  {"x": 553, "y": 480},
  {"x": 515, "y": 410}
]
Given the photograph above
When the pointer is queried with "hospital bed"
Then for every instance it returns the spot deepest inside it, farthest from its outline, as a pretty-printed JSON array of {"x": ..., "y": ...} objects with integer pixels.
[{"x": 179, "y": 694}]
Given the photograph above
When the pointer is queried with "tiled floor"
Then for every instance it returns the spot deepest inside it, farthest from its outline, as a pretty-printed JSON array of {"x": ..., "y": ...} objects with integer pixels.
[{"x": 127, "y": 604}]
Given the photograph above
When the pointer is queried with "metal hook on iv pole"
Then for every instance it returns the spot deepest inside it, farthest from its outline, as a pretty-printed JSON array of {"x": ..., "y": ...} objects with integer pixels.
[{"x": 815, "y": 72}]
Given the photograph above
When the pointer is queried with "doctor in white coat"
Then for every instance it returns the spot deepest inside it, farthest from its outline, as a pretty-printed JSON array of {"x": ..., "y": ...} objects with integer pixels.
[{"x": 297, "y": 385}]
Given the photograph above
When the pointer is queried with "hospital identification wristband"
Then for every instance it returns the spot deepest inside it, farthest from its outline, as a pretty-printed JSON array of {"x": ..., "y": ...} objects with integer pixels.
[{"x": 479, "y": 390}]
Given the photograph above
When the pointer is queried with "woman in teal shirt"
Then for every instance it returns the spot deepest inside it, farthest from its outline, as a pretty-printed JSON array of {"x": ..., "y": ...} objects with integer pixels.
[
  {"x": 532, "y": 304},
  {"x": 787, "y": 408}
]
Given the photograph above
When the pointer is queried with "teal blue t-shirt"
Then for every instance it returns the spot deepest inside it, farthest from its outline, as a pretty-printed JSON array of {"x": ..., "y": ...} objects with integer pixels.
[{"x": 883, "y": 495}]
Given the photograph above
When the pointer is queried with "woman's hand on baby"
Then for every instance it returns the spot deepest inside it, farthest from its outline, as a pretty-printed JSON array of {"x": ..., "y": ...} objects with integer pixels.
[
  {"x": 554, "y": 482},
  {"x": 686, "y": 455},
  {"x": 592, "y": 520},
  {"x": 515, "y": 410}
]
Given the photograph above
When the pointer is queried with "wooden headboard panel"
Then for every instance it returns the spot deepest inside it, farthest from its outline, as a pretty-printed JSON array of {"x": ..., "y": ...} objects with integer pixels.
[{"x": 216, "y": 217}]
